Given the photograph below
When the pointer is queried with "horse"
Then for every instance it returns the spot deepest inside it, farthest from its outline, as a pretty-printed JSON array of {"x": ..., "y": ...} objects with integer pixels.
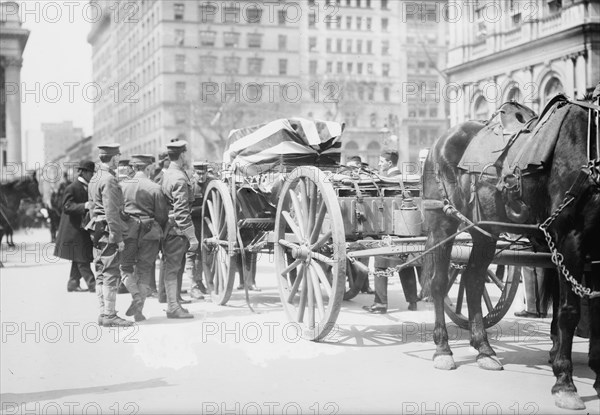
[
  {"x": 563, "y": 195},
  {"x": 11, "y": 194}
]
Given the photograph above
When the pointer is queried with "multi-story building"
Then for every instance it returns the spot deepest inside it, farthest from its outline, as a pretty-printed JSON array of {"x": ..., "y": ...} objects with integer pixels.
[
  {"x": 13, "y": 39},
  {"x": 58, "y": 137},
  {"x": 522, "y": 50},
  {"x": 197, "y": 69}
]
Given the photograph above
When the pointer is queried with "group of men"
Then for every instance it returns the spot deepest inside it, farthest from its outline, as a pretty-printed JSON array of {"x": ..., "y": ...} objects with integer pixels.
[{"x": 121, "y": 225}]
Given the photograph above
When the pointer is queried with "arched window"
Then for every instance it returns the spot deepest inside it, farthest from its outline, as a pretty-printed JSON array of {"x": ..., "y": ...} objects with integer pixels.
[
  {"x": 515, "y": 95},
  {"x": 553, "y": 87},
  {"x": 481, "y": 109}
]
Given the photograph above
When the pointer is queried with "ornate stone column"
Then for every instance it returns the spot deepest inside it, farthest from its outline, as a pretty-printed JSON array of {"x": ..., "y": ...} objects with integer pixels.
[
  {"x": 12, "y": 79},
  {"x": 580, "y": 74}
]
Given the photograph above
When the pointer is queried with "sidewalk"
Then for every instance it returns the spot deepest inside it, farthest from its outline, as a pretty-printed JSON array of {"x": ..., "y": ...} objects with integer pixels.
[{"x": 32, "y": 248}]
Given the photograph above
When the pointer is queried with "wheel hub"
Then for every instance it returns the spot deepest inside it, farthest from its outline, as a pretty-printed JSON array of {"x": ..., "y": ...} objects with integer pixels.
[{"x": 302, "y": 253}]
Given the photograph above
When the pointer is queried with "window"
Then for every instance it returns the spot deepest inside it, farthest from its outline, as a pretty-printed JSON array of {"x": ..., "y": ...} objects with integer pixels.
[
  {"x": 178, "y": 11},
  {"x": 312, "y": 44},
  {"x": 231, "y": 39},
  {"x": 385, "y": 69},
  {"x": 348, "y": 22},
  {"x": 371, "y": 92},
  {"x": 433, "y": 113},
  {"x": 384, "y": 24},
  {"x": 359, "y": 23},
  {"x": 312, "y": 67},
  {"x": 357, "y": 3},
  {"x": 361, "y": 92},
  {"x": 329, "y": 67},
  {"x": 208, "y": 12},
  {"x": 385, "y": 47},
  {"x": 253, "y": 15},
  {"x": 180, "y": 63},
  {"x": 373, "y": 120},
  {"x": 207, "y": 38},
  {"x": 207, "y": 64},
  {"x": 338, "y": 22},
  {"x": 369, "y": 46},
  {"x": 369, "y": 23},
  {"x": 348, "y": 45},
  {"x": 282, "y": 16},
  {"x": 384, "y": 4},
  {"x": 232, "y": 65},
  {"x": 231, "y": 14},
  {"x": 312, "y": 19},
  {"x": 282, "y": 42},
  {"x": 180, "y": 117},
  {"x": 339, "y": 45},
  {"x": 180, "y": 91},
  {"x": 328, "y": 48},
  {"x": 386, "y": 94},
  {"x": 254, "y": 40},
  {"x": 369, "y": 3},
  {"x": 179, "y": 37},
  {"x": 340, "y": 67},
  {"x": 348, "y": 3},
  {"x": 255, "y": 66},
  {"x": 370, "y": 68},
  {"x": 283, "y": 63},
  {"x": 359, "y": 68},
  {"x": 349, "y": 66},
  {"x": 359, "y": 46}
]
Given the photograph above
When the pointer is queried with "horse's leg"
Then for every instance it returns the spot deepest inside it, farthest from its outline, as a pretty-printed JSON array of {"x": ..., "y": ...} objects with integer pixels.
[
  {"x": 475, "y": 276},
  {"x": 551, "y": 277},
  {"x": 437, "y": 263},
  {"x": 594, "y": 353},
  {"x": 564, "y": 390},
  {"x": 9, "y": 239}
]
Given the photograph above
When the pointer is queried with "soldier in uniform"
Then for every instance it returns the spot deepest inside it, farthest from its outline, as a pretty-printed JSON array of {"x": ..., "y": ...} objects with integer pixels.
[
  {"x": 180, "y": 235},
  {"x": 163, "y": 164},
  {"x": 193, "y": 263},
  {"x": 146, "y": 208},
  {"x": 107, "y": 227}
]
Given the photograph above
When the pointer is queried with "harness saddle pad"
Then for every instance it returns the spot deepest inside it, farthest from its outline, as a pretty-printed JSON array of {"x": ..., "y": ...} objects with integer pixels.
[{"x": 525, "y": 149}]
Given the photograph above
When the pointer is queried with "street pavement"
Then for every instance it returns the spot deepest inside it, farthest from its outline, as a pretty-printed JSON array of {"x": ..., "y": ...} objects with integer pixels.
[{"x": 55, "y": 359}]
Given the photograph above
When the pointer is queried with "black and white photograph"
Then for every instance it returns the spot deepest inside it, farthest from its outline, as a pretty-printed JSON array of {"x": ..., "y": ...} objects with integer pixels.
[{"x": 313, "y": 207}]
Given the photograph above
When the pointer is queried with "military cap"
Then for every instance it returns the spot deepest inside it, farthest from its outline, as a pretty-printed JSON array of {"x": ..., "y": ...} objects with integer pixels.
[
  {"x": 141, "y": 160},
  {"x": 124, "y": 162},
  {"x": 177, "y": 147},
  {"x": 109, "y": 149},
  {"x": 200, "y": 165},
  {"x": 163, "y": 156},
  {"x": 87, "y": 165}
]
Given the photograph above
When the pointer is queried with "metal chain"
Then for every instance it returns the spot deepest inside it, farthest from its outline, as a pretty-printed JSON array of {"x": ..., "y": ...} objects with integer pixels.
[{"x": 557, "y": 257}]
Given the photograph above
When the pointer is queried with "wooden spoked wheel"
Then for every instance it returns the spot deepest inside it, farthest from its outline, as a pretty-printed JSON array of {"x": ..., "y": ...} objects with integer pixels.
[
  {"x": 310, "y": 252},
  {"x": 219, "y": 241},
  {"x": 497, "y": 299}
]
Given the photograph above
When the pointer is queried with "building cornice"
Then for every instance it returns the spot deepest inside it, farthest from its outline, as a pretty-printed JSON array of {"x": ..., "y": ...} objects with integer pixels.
[
  {"x": 581, "y": 30},
  {"x": 22, "y": 35}
]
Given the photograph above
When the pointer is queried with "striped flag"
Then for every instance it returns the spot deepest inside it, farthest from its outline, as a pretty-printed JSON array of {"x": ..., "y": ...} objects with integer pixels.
[{"x": 287, "y": 139}]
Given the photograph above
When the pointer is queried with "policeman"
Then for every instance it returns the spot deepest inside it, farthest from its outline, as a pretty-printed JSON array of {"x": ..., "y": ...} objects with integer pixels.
[
  {"x": 146, "y": 209},
  {"x": 193, "y": 263},
  {"x": 180, "y": 235},
  {"x": 107, "y": 226}
]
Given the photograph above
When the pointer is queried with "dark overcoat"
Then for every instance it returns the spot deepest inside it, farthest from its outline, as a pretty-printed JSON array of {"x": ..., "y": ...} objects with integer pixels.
[{"x": 73, "y": 242}]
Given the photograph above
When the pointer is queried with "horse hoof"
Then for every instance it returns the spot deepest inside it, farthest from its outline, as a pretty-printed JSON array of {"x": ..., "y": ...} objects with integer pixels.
[
  {"x": 444, "y": 362},
  {"x": 568, "y": 400},
  {"x": 489, "y": 363}
]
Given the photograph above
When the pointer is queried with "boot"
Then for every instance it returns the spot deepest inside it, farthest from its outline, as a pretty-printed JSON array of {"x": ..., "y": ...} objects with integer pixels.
[
  {"x": 100, "y": 295},
  {"x": 130, "y": 282},
  {"x": 196, "y": 293},
  {"x": 136, "y": 305},
  {"x": 110, "y": 318},
  {"x": 92, "y": 286},
  {"x": 174, "y": 310}
]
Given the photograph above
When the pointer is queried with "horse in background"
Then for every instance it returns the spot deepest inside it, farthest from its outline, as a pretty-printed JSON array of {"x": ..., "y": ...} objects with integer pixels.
[
  {"x": 573, "y": 230},
  {"x": 11, "y": 194}
]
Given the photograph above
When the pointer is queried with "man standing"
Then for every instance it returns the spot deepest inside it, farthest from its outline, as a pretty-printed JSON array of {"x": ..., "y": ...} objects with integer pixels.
[
  {"x": 180, "y": 235},
  {"x": 107, "y": 227},
  {"x": 146, "y": 209},
  {"x": 163, "y": 164},
  {"x": 73, "y": 241},
  {"x": 388, "y": 167}
]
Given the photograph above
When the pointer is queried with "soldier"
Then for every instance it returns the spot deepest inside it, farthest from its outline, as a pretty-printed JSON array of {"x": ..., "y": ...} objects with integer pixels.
[
  {"x": 107, "y": 227},
  {"x": 163, "y": 164},
  {"x": 193, "y": 263},
  {"x": 180, "y": 235},
  {"x": 146, "y": 207}
]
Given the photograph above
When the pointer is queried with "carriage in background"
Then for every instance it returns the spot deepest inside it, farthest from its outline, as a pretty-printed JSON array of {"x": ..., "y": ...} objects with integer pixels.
[{"x": 285, "y": 192}]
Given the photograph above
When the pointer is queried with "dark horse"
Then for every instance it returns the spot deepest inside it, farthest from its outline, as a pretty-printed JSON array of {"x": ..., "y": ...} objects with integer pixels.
[
  {"x": 11, "y": 194},
  {"x": 575, "y": 231}
]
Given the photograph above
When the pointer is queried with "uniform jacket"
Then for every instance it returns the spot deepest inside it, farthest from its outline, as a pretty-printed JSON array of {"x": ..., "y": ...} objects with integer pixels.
[
  {"x": 73, "y": 242},
  {"x": 144, "y": 198},
  {"x": 178, "y": 190},
  {"x": 105, "y": 192}
]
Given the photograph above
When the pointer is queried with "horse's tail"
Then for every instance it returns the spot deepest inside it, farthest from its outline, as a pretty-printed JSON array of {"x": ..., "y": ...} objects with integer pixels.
[{"x": 549, "y": 289}]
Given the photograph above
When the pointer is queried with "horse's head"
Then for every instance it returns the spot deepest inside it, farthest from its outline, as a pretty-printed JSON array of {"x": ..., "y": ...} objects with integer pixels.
[{"x": 29, "y": 187}]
